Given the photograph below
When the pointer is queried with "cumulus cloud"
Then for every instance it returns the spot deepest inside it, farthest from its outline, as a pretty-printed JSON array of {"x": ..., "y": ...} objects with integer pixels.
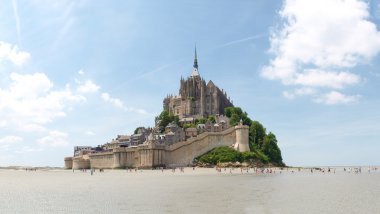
[
  {"x": 28, "y": 149},
  {"x": 10, "y": 139},
  {"x": 7, "y": 141},
  {"x": 299, "y": 92},
  {"x": 30, "y": 101},
  {"x": 335, "y": 97},
  {"x": 89, "y": 133},
  {"x": 114, "y": 101},
  {"x": 54, "y": 139},
  {"x": 119, "y": 104},
  {"x": 88, "y": 87},
  {"x": 319, "y": 42},
  {"x": 9, "y": 52},
  {"x": 328, "y": 79}
]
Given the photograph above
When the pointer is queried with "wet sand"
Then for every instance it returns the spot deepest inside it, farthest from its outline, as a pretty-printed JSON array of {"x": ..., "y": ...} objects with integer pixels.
[{"x": 198, "y": 191}]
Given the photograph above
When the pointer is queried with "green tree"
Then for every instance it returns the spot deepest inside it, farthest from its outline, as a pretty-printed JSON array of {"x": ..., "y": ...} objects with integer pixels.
[
  {"x": 271, "y": 149},
  {"x": 236, "y": 114},
  {"x": 200, "y": 121},
  {"x": 257, "y": 134},
  {"x": 137, "y": 130},
  {"x": 211, "y": 118},
  {"x": 234, "y": 120},
  {"x": 165, "y": 118}
]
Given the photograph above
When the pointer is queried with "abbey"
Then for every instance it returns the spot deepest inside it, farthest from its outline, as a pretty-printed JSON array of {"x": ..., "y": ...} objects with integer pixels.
[
  {"x": 199, "y": 127},
  {"x": 196, "y": 98}
]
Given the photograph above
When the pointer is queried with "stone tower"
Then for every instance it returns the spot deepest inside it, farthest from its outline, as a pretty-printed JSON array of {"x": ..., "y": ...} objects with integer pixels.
[
  {"x": 242, "y": 138},
  {"x": 196, "y": 98}
]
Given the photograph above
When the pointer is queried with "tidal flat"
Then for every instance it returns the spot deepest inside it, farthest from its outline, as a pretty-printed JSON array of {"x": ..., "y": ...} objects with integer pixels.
[{"x": 192, "y": 191}]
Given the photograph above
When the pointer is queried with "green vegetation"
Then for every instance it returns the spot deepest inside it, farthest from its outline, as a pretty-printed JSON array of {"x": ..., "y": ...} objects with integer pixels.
[
  {"x": 227, "y": 154},
  {"x": 236, "y": 114},
  {"x": 203, "y": 120},
  {"x": 211, "y": 118},
  {"x": 191, "y": 125},
  {"x": 220, "y": 154},
  {"x": 137, "y": 130},
  {"x": 165, "y": 119},
  {"x": 271, "y": 148},
  {"x": 263, "y": 146},
  {"x": 200, "y": 121}
]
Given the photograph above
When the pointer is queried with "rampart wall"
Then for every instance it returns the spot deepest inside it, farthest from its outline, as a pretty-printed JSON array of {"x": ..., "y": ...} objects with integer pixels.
[
  {"x": 81, "y": 162},
  {"x": 183, "y": 153},
  {"x": 151, "y": 155}
]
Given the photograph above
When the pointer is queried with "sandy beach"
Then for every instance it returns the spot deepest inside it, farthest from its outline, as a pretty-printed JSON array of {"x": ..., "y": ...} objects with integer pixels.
[{"x": 203, "y": 190}]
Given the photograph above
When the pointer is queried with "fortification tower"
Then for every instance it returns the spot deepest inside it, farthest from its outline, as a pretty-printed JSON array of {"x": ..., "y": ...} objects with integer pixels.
[
  {"x": 242, "y": 136},
  {"x": 68, "y": 162}
]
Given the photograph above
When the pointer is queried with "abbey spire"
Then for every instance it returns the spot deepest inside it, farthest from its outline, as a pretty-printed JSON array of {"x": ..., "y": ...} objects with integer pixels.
[
  {"x": 195, "y": 59},
  {"x": 195, "y": 66}
]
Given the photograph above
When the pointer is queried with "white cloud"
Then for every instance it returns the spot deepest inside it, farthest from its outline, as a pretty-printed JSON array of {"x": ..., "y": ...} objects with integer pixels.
[
  {"x": 89, "y": 133},
  {"x": 88, "y": 87},
  {"x": 318, "y": 40},
  {"x": 54, "y": 139},
  {"x": 29, "y": 102},
  {"x": 7, "y": 141},
  {"x": 11, "y": 53},
  {"x": 28, "y": 149},
  {"x": 329, "y": 79},
  {"x": 119, "y": 104},
  {"x": 114, "y": 101},
  {"x": 335, "y": 97},
  {"x": 81, "y": 72},
  {"x": 17, "y": 19},
  {"x": 299, "y": 92},
  {"x": 10, "y": 139}
]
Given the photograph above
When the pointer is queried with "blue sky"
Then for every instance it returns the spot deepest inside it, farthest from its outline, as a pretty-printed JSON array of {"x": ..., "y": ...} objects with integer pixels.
[{"x": 81, "y": 72}]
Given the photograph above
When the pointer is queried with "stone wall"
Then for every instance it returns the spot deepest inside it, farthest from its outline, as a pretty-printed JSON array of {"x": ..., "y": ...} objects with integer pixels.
[
  {"x": 81, "y": 162},
  {"x": 104, "y": 160},
  {"x": 152, "y": 155},
  {"x": 68, "y": 162},
  {"x": 183, "y": 153}
]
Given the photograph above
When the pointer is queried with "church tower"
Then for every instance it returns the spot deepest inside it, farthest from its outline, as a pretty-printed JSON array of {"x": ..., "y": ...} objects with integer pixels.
[
  {"x": 195, "y": 66},
  {"x": 196, "y": 98}
]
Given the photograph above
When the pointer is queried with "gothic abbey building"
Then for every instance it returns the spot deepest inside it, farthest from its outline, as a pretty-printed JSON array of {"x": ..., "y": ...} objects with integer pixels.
[
  {"x": 178, "y": 144},
  {"x": 196, "y": 98}
]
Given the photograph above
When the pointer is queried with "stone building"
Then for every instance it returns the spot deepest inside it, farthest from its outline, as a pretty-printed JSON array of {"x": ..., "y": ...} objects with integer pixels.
[
  {"x": 196, "y": 98},
  {"x": 80, "y": 149},
  {"x": 179, "y": 144}
]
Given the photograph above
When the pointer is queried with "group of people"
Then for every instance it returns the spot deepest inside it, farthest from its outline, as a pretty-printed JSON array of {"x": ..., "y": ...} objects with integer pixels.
[
  {"x": 242, "y": 170},
  {"x": 247, "y": 170}
]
